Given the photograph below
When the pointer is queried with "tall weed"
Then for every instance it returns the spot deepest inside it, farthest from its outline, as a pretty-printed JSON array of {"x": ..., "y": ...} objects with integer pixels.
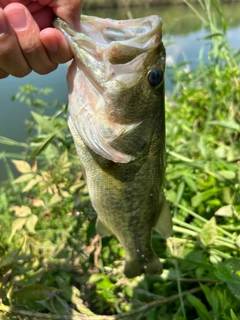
[{"x": 51, "y": 266}]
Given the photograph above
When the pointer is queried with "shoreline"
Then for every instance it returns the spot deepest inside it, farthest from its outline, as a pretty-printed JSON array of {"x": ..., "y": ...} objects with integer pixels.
[{"x": 101, "y": 4}]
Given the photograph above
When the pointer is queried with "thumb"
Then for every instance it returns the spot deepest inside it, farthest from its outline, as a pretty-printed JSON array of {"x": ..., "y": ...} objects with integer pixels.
[{"x": 69, "y": 11}]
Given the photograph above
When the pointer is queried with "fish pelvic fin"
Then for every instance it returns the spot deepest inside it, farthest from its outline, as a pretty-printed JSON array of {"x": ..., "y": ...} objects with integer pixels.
[
  {"x": 102, "y": 229},
  {"x": 164, "y": 222},
  {"x": 134, "y": 268}
]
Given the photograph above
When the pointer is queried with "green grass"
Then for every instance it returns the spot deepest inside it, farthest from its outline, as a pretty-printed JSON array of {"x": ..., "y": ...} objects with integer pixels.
[{"x": 51, "y": 266}]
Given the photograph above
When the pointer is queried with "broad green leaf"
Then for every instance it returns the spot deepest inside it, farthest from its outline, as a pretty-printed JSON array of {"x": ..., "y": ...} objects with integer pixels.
[
  {"x": 201, "y": 309},
  {"x": 32, "y": 183},
  {"x": 31, "y": 223},
  {"x": 43, "y": 122},
  {"x": 56, "y": 305},
  {"x": 208, "y": 233},
  {"x": 238, "y": 241},
  {"x": 46, "y": 175},
  {"x": 233, "y": 316},
  {"x": 227, "y": 174},
  {"x": 180, "y": 191},
  {"x": 21, "y": 211},
  {"x": 55, "y": 199},
  {"x": 42, "y": 146},
  {"x": 205, "y": 266},
  {"x": 203, "y": 196},
  {"x": 220, "y": 151},
  {"x": 226, "y": 211},
  {"x": 193, "y": 255},
  {"x": 77, "y": 185},
  {"x": 105, "y": 283},
  {"x": 47, "y": 125},
  {"x": 51, "y": 152},
  {"x": 36, "y": 202},
  {"x": 64, "y": 193},
  {"x": 191, "y": 183},
  {"x": 215, "y": 302},
  {"x": 29, "y": 296},
  {"x": 23, "y": 178},
  {"x": 94, "y": 278},
  {"x": 223, "y": 274},
  {"x": 176, "y": 174},
  {"x": 63, "y": 158},
  {"x": 233, "y": 267},
  {"x": 228, "y": 195},
  {"x": 226, "y": 124},
  {"x": 17, "y": 226},
  {"x": 222, "y": 296},
  {"x": 8, "y": 259},
  {"x": 22, "y": 166},
  {"x": 207, "y": 292},
  {"x": 129, "y": 291},
  {"x": 228, "y": 271}
]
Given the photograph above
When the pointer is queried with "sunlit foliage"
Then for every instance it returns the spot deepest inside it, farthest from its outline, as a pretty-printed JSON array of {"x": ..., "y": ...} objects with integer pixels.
[{"x": 54, "y": 266}]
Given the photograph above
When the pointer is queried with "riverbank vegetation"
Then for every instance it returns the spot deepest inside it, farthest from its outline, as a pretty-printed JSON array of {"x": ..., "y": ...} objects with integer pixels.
[
  {"x": 93, "y": 4},
  {"x": 52, "y": 264}
]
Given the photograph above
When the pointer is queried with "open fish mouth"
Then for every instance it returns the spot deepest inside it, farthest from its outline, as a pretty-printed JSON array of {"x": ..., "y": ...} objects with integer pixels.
[
  {"x": 106, "y": 43},
  {"x": 121, "y": 41}
]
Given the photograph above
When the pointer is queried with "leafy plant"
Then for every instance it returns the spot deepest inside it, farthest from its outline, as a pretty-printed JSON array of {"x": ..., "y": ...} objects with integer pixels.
[{"x": 54, "y": 266}]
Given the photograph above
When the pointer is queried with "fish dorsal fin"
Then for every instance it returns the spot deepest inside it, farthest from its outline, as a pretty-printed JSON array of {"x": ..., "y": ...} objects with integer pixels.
[{"x": 164, "y": 222}]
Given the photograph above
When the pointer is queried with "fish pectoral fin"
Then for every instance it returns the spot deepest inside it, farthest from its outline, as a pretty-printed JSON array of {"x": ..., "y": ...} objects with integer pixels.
[
  {"x": 164, "y": 222},
  {"x": 133, "y": 139},
  {"x": 101, "y": 229}
]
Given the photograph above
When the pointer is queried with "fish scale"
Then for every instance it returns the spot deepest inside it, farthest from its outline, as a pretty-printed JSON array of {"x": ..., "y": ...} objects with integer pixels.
[{"x": 117, "y": 120}]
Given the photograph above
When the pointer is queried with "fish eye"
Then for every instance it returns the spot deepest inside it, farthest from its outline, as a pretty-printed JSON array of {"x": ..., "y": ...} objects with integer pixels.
[{"x": 155, "y": 77}]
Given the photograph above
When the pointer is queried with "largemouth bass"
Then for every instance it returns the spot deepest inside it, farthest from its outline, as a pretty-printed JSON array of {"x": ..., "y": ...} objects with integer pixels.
[{"x": 117, "y": 120}]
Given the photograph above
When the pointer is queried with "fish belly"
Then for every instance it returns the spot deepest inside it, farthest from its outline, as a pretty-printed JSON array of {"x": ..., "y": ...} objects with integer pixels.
[{"x": 127, "y": 199}]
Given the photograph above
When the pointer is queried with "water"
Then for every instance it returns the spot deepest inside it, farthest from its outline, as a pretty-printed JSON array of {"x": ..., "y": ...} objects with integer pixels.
[{"x": 182, "y": 31}]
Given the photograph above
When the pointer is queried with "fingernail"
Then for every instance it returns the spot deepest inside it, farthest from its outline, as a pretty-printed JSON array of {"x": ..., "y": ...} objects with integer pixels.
[
  {"x": 18, "y": 19},
  {"x": 3, "y": 24}
]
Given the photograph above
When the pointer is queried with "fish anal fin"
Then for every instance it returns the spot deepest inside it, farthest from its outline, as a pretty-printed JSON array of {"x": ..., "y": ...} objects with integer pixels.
[
  {"x": 135, "y": 268},
  {"x": 164, "y": 222},
  {"x": 102, "y": 229}
]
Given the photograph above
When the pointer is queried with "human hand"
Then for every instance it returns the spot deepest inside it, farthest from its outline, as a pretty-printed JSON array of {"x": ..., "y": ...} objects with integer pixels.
[{"x": 28, "y": 41}]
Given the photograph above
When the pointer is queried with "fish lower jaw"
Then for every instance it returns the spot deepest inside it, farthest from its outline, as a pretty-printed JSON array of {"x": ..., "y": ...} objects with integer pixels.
[{"x": 134, "y": 268}]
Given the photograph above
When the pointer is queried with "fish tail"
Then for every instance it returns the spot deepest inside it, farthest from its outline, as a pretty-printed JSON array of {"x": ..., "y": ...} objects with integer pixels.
[{"x": 135, "y": 268}]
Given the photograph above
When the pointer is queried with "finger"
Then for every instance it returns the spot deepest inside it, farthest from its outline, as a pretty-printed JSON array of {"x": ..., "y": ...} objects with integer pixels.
[
  {"x": 27, "y": 32},
  {"x": 69, "y": 11},
  {"x": 3, "y": 74},
  {"x": 56, "y": 45},
  {"x": 42, "y": 15},
  {"x": 12, "y": 60}
]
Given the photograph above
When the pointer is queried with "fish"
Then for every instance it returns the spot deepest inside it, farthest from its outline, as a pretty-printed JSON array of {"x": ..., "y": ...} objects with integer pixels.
[{"x": 116, "y": 115}]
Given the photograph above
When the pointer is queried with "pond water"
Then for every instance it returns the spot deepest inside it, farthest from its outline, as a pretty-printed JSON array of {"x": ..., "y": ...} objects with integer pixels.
[{"x": 182, "y": 34}]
